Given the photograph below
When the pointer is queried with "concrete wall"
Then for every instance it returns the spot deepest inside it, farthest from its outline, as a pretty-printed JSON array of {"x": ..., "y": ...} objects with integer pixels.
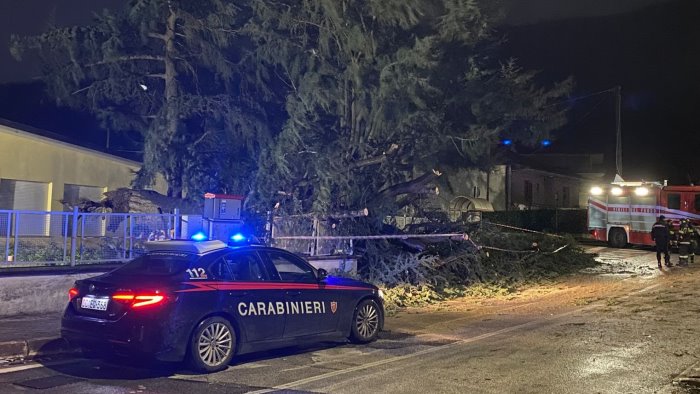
[
  {"x": 36, "y": 294},
  {"x": 29, "y": 157}
]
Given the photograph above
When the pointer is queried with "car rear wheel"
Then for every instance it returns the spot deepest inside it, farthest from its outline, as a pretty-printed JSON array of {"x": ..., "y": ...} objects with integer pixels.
[
  {"x": 365, "y": 322},
  {"x": 212, "y": 345}
]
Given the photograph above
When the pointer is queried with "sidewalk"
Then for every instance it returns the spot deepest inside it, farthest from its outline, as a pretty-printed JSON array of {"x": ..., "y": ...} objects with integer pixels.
[{"x": 28, "y": 336}]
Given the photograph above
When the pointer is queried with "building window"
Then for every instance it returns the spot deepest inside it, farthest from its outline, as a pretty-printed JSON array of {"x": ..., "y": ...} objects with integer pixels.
[
  {"x": 23, "y": 195},
  {"x": 476, "y": 192},
  {"x": 27, "y": 197}
]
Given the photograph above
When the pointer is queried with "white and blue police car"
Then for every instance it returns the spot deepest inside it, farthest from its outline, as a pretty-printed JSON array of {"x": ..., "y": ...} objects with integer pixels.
[{"x": 206, "y": 301}]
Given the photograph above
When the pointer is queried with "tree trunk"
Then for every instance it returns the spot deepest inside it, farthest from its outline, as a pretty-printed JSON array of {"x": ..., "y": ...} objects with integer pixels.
[
  {"x": 171, "y": 93},
  {"x": 414, "y": 186}
]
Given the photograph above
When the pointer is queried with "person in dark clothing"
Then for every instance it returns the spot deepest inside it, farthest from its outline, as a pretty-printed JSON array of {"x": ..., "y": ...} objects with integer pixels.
[
  {"x": 659, "y": 233},
  {"x": 685, "y": 246}
]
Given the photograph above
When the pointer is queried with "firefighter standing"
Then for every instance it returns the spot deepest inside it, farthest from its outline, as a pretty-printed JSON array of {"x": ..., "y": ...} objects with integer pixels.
[
  {"x": 660, "y": 235},
  {"x": 672, "y": 234},
  {"x": 685, "y": 235},
  {"x": 691, "y": 234}
]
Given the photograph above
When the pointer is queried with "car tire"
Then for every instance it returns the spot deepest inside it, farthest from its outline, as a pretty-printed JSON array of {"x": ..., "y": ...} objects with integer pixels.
[
  {"x": 617, "y": 237},
  {"x": 366, "y": 322},
  {"x": 212, "y": 345}
]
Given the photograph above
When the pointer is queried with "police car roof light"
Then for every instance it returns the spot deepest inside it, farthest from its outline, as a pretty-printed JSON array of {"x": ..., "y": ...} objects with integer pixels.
[
  {"x": 238, "y": 237},
  {"x": 199, "y": 247},
  {"x": 200, "y": 236}
]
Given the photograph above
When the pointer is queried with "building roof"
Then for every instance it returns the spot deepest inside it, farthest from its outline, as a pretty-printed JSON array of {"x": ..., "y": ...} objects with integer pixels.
[{"x": 51, "y": 137}]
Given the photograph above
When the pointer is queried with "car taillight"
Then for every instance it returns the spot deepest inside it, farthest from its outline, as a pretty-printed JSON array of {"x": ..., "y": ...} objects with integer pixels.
[
  {"x": 72, "y": 293},
  {"x": 145, "y": 300},
  {"x": 141, "y": 299}
]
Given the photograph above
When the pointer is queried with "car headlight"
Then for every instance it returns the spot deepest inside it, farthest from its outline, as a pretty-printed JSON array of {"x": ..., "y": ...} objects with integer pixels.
[{"x": 381, "y": 294}]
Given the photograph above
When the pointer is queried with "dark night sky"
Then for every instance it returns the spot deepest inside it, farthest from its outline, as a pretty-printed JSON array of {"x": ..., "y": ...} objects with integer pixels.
[{"x": 650, "y": 47}]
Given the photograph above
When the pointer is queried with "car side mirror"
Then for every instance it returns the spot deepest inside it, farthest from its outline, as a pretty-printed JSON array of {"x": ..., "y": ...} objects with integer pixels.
[{"x": 322, "y": 274}]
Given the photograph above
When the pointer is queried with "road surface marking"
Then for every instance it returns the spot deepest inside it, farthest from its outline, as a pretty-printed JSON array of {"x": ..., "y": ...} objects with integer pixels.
[{"x": 37, "y": 365}]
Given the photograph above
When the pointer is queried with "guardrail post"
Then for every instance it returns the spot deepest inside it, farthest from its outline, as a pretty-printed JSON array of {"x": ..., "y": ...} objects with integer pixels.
[
  {"x": 124, "y": 248},
  {"x": 131, "y": 236},
  {"x": 14, "y": 257},
  {"x": 74, "y": 237},
  {"x": 82, "y": 237},
  {"x": 315, "y": 232},
  {"x": 8, "y": 235},
  {"x": 65, "y": 237},
  {"x": 176, "y": 224}
]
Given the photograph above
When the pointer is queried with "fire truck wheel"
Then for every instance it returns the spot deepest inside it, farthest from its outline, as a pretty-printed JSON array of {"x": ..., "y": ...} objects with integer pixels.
[{"x": 617, "y": 238}]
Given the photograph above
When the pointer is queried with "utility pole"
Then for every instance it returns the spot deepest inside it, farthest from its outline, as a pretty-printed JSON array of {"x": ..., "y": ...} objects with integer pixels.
[{"x": 618, "y": 126}]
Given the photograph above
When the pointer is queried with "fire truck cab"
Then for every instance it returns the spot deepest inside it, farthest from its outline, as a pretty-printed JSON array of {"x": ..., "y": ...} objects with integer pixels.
[{"x": 623, "y": 212}]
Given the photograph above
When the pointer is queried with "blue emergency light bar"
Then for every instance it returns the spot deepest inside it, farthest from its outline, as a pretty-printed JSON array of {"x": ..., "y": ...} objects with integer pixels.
[
  {"x": 238, "y": 237},
  {"x": 200, "y": 236}
]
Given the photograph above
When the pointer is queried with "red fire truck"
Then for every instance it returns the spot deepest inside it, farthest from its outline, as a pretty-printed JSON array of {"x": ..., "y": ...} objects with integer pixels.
[{"x": 623, "y": 212}]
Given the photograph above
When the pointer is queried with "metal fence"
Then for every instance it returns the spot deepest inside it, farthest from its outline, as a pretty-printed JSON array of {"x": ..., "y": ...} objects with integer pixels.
[
  {"x": 70, "y": 238},
  {"x": 285, "y": 230}
]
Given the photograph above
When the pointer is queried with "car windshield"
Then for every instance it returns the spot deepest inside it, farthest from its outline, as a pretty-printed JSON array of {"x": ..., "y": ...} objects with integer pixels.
[{"x": 158, "y": 264}]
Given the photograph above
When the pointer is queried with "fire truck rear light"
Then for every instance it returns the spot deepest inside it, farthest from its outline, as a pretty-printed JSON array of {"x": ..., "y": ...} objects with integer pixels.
[
  {"x": 616, "y": 191},
  {"x": 641, "y": 191},
  {"x": 596, "y": 190}
]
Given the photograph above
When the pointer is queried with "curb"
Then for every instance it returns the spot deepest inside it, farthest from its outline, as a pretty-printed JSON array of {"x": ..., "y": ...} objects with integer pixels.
[{"x": 35, "y": 348}]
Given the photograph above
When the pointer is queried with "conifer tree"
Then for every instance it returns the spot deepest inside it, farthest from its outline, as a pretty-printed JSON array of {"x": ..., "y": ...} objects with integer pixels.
[
  {"x": 384, "y": 96},
  {"x": 174, "y": 71}
]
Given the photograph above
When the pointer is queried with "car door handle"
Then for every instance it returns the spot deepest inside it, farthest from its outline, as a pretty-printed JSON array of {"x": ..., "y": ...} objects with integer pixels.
[
  {"x": 238, "y": 294},
  {"x": 294, "y": 293}
]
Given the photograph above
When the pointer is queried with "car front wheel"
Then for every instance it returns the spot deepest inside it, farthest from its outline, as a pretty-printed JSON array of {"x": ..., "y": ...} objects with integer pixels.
[
  {"x": 365, "y": 322},
  {"x": 212, "y": 345}
]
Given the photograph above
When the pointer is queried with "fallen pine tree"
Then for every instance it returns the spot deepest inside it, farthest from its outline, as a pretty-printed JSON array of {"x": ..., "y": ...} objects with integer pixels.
[{"x": 491, "y": 262}]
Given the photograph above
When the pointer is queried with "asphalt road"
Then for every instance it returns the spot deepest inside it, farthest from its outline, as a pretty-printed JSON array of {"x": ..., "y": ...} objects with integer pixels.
[{"x": 623, "y": 327}]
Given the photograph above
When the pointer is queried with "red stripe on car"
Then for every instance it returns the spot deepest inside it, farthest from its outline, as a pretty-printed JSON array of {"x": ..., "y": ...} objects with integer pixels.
[{"x": 213, "y": 286}]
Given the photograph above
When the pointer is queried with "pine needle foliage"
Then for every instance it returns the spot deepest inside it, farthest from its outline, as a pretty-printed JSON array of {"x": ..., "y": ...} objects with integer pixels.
[
  {"x": 176, "y": 72},
  {"x": 384, "y": 96}
]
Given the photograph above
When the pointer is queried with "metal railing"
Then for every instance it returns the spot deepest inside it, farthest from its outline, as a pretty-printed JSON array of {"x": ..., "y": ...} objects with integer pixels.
[{"x": 70, "y": 238}]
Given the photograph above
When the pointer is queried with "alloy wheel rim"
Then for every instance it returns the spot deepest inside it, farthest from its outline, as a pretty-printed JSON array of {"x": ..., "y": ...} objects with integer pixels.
[
  {"x": 215, "y": 344},
  {"x": 367, "y": 321}
]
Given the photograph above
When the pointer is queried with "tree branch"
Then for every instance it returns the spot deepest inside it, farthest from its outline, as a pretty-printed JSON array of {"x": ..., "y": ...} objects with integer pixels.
[
  {"x": 414, "y": 186},
  {"x": 128, "y": 58},
  {"x": 375, "y": 160},
  {"x": 157, "y": 35}
]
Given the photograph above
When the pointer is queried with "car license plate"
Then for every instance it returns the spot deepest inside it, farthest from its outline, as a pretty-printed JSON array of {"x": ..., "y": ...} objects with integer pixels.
[{"x": 98, "y": 304}]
